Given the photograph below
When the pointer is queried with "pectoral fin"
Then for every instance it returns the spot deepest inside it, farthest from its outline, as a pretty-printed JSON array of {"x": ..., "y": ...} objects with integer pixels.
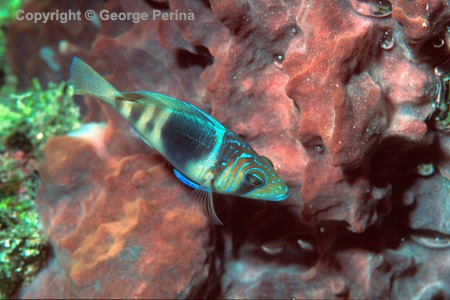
[
  {"x": 203, "y": 193},
  {"x": 208, "y": 204}
]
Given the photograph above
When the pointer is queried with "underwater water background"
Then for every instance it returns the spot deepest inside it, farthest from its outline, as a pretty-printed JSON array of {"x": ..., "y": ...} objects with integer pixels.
[{"x": 348, "y": 99}]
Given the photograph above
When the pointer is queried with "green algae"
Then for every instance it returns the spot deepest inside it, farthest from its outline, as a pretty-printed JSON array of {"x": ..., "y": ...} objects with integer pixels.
[
  {"x": 28, "y": 119},
  {"x": 8, "y": 11}
]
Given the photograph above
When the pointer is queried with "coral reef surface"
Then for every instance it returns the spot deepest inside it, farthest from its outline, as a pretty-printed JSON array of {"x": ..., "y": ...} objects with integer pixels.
[{"x": 338, "y": 94}]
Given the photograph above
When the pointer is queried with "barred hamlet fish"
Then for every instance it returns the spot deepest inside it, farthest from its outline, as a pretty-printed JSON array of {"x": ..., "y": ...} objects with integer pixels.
[{"x": 205, "y": 155}]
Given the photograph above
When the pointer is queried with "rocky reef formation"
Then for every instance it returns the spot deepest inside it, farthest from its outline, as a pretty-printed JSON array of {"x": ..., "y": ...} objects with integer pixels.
[{"x": 339, "y": 95}]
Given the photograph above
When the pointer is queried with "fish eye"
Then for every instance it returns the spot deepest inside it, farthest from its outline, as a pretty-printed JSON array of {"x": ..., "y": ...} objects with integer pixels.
[{"x": 255, "y": 178}]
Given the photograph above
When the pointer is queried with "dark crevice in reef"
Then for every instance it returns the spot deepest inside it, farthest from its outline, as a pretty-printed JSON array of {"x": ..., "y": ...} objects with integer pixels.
[
  {"x": 251, "y": 241},
  {"x": 206, "y": 3},
  {"x": 434, "y": 50},
  {"x": 387, "y": 233},
  {"x": 187, "y": 59},
  {"x": 395, "y": 162},
  {"x": 211, "y": 288},
  {"x": 157, "y": 5},
  {"x": 384, "y": 237}
]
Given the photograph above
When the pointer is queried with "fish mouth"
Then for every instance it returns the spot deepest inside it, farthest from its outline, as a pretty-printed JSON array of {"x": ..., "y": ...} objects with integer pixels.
[
  {"x": 282, "y": 197},
  {"x": 265, "y": 197}
]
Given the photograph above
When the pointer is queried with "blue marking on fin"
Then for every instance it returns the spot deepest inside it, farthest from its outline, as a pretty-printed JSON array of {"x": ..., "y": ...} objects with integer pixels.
[{"x": 189, "y": 182}]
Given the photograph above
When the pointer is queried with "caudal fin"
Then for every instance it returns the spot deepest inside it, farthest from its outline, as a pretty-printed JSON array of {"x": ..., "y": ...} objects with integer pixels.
[{"x": 86, "y": 81}]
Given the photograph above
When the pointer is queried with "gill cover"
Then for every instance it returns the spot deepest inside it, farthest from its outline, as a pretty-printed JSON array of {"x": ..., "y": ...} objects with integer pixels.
[{"x": 242, "y": 172}]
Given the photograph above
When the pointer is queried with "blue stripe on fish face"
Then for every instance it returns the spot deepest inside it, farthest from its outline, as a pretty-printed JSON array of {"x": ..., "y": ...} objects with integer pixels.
[
  {"x": 229, "y": 157},
  {"x": 273, "y": 189},
  {"x": 237, "y": 168},
  {"x": 242, "y": 172}
]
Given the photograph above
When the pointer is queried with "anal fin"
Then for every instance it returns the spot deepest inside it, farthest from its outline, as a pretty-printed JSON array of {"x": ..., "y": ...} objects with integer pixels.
[{"x": 186, "y": 180}]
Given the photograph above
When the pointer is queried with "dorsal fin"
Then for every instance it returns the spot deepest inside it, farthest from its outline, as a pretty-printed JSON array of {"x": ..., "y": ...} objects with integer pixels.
[{"x": 142, "y": 97}]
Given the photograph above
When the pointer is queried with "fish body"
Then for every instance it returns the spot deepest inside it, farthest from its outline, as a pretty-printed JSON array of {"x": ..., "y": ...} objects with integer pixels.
[{"x": 204, "y": 154}]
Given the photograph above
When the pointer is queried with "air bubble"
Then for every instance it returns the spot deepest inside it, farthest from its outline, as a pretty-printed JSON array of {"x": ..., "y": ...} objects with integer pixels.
[
  {"x": 438, "y": 72},
  {"x": 278, "y": 60},
  {"x": 63, "y": 46},
  {"x": 441, "y": 104},
  {"x": 306, "y": 246},
  {"x": 431, "y": 239},
  {"x": 387, "y": 40},
  {"x": 425, "y": 169},
  {"x": 438, "y": 43},
  {"x": 272, "y": 248},
  {"x": 293, "y": 31},
  {"x": 318, "y": 148},
  {"x": 372, "y": 8}
]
